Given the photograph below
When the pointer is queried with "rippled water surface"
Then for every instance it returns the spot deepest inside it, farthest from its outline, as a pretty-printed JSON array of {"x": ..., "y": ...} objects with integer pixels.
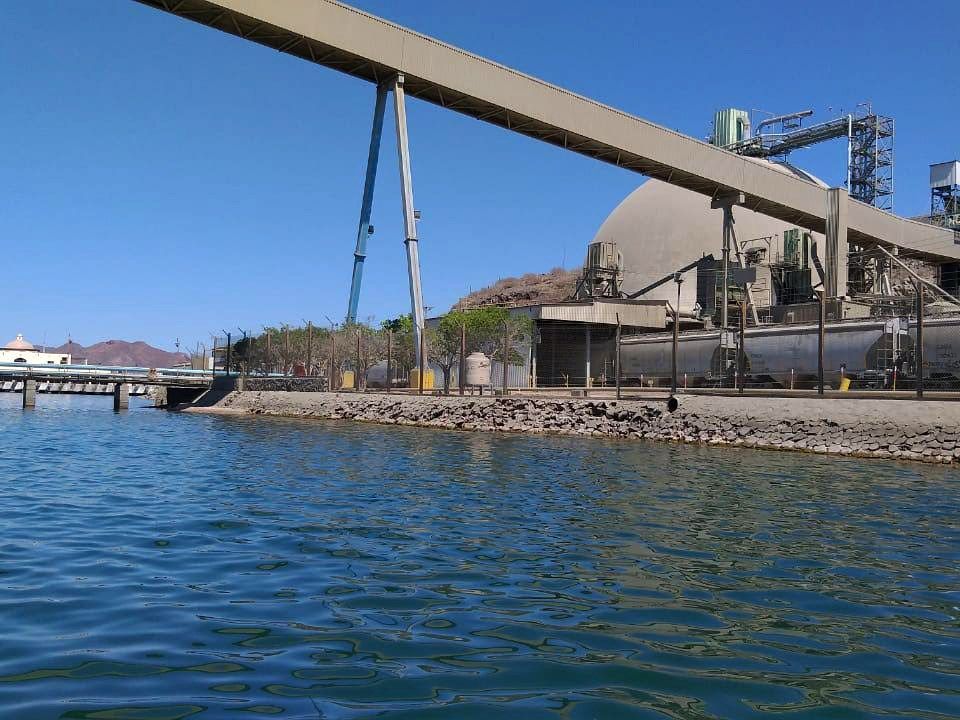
[{"x": 155, "y": 565}]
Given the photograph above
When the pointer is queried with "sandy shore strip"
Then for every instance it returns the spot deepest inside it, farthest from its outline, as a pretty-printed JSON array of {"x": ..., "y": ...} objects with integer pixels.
[{"x": 921, "y": 431}]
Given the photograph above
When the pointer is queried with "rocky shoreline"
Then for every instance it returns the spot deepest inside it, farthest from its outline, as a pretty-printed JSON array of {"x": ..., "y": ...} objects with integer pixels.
[{"x": 890, "y": 429}]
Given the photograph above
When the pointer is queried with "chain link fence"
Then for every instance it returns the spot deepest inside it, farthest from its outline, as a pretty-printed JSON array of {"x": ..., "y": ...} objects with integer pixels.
[{"x": 363, "y": 358}]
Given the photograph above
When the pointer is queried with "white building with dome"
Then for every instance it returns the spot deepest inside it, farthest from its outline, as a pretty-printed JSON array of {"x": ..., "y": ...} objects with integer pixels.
[{"x": 19, "y": 350}]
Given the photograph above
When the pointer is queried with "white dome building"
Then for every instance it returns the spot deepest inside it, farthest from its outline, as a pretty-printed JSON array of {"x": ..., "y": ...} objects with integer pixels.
[
  {"x": 20, "y": 350},
  {"x": 660, "y": 228}
]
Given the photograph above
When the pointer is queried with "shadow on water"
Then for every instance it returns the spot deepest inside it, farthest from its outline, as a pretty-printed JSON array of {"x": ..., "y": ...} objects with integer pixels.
[{"x": 162, "y": 566}]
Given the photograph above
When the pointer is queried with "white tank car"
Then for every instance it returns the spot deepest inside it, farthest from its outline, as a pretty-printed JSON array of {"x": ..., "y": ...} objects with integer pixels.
[{"x": 867, "y": 351}]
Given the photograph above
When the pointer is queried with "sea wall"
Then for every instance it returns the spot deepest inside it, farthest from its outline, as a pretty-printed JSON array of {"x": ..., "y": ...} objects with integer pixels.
[
  {"x": 892, "y": 429},
  {"x": 285, "y": 384}
]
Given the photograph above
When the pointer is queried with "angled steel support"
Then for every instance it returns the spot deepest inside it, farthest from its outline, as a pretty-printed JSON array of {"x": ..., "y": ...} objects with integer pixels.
[
  {"x": 364, "y": 229},
  {"x": 409, "y": 220},
  {"x": 726, "y": 202}
]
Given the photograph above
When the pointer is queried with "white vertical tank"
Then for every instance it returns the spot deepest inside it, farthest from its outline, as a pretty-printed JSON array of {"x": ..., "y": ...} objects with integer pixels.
[{"x": 478, "y": 369}]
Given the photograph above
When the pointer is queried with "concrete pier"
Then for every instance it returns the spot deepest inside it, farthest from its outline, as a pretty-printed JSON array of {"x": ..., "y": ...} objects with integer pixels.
[
  {"x": 29, "y": 393},
  {"x": 121, "y": 396}
]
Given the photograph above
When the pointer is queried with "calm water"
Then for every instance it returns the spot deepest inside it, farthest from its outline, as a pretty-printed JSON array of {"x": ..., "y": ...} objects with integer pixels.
[{"x": 155, "y": 565}]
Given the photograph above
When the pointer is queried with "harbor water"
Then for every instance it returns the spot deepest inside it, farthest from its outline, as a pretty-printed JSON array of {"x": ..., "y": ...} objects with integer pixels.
[{"x": 157, "y": 566}]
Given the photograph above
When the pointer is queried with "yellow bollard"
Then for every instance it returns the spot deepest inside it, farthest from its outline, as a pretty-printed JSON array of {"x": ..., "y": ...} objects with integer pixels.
[{"x": 845, "y": 384}]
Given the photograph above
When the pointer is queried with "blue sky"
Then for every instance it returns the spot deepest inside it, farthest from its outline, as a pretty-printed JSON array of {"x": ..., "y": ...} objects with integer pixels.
[{"x": 161, "y": 180}]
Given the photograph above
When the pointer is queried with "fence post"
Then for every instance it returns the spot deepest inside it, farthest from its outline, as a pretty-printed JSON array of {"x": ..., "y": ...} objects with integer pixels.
[
  {"x": 919, "y": 352},
  {"x": 506, "y": 356},
  {"x": 356, "y": 379},
  {"x": 333, "y": 362},
  {"x": 676, "y": 346},
  {"x": 463, "y": 357},
  {"x": 309, "y": 348},
  {"x": 616, "y": 357},
  {"x": 821, "y": 332},
  {"x": 741, "y": 352},
  {"x": 229, "y": 357},
  {"x": 389, "y": 360},
  {"x": 269, "y": 353}
]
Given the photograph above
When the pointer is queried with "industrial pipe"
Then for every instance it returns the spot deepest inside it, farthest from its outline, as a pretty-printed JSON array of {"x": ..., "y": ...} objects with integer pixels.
[{"x": 780, "y": 118}]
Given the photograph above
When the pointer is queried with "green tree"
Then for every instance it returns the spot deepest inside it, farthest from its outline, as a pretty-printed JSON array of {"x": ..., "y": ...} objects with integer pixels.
[
  {"x": 486, "y": 329},
  {"x": 404, "y": 356}
]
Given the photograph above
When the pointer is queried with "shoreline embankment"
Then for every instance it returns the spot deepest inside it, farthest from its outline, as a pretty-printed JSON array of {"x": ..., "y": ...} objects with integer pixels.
[{"x": 887, "y": 429}]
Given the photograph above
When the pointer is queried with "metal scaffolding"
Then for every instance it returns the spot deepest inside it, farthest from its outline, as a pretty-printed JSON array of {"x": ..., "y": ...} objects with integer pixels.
[
  {"x": 870, "y": 172},
  {"x": 869, "y": 153}
]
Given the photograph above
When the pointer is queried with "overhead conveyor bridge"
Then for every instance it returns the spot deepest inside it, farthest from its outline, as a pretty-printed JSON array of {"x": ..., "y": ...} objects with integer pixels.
[{"x": 365, "y": 46}]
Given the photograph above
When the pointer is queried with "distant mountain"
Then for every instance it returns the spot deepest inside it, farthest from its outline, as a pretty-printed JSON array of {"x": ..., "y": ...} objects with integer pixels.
[{"x": 121, "y": 352}]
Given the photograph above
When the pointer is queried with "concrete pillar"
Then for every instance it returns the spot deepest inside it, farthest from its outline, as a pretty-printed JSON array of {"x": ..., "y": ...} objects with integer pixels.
[
  {"x": 121, "y": 396},
  {"x": 835, "y": 255},
  {"x": 159, "y": 396},
  {"x": 29, "y": 393}
]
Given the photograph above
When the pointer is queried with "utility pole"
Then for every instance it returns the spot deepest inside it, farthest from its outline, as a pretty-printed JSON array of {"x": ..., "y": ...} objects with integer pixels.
[
  {"x": 821, "y": 332},
  {"x": 676, "y": 348},
  {"x": 919, "y": 353},
  {"x": 678, "y": 279},
  {"x": 741, "y": 351},
  {"x": 389, "y": 360},
  {"x": 617, "y": 370},
  {"x": 309, "y": 348},
  {"x": 228, "y": 354}
]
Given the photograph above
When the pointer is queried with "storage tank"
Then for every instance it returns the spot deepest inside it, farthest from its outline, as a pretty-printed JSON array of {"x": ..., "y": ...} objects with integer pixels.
[
  {"x": 478, "y": 369},
  {"x": 730, "y": 126},
  {"x": 377, "y": 375}
]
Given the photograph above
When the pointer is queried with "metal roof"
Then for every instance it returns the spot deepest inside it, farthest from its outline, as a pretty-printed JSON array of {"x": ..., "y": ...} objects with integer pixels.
[
  {"x": 341, "y": 37},
  {"x": 641, "y": 314}
]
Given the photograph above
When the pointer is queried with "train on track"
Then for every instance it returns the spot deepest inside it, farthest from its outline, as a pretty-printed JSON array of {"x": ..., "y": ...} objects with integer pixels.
[{"x": 870, "y": 353}]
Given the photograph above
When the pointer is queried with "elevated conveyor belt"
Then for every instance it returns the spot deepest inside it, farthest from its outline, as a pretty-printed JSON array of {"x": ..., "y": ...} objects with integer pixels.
[{"x": 343, "y": 38}]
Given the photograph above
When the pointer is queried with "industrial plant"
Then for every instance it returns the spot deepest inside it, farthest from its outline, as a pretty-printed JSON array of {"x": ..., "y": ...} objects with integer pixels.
[{"x": 666, "y": 255}]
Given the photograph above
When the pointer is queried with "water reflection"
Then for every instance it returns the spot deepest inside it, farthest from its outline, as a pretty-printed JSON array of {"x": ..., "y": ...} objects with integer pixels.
[{"x": 166, "y": 566}]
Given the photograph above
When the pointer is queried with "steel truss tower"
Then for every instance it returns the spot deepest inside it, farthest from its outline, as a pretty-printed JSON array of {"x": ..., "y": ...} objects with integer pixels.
[
  {"x": 945, "y": 206},
  {"x": 870, "y": 173}
]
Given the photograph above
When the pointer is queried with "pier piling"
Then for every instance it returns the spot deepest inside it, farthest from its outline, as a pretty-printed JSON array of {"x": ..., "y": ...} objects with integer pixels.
[
  {"x": 29, "y": 393},
  {"x": 121, "y": 397}
]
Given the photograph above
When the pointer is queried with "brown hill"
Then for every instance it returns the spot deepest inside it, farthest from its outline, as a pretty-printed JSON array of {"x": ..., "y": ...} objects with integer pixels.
[
  {"x": 529, "y": 289},
  {"x": 121, "y": 352}
]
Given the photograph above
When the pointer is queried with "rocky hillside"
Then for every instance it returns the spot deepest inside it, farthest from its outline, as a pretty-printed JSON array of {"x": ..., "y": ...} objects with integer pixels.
[
  {"x": 529, "y": 289},
  {"x": 121, "y": 352}
]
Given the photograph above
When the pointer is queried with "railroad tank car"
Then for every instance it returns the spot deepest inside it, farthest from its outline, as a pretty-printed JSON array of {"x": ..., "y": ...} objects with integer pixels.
[{"x": 866, "y": 351}]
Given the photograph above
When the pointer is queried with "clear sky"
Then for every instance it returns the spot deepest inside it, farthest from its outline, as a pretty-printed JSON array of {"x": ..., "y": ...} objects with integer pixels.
[{"x": 162, "y": 180}]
